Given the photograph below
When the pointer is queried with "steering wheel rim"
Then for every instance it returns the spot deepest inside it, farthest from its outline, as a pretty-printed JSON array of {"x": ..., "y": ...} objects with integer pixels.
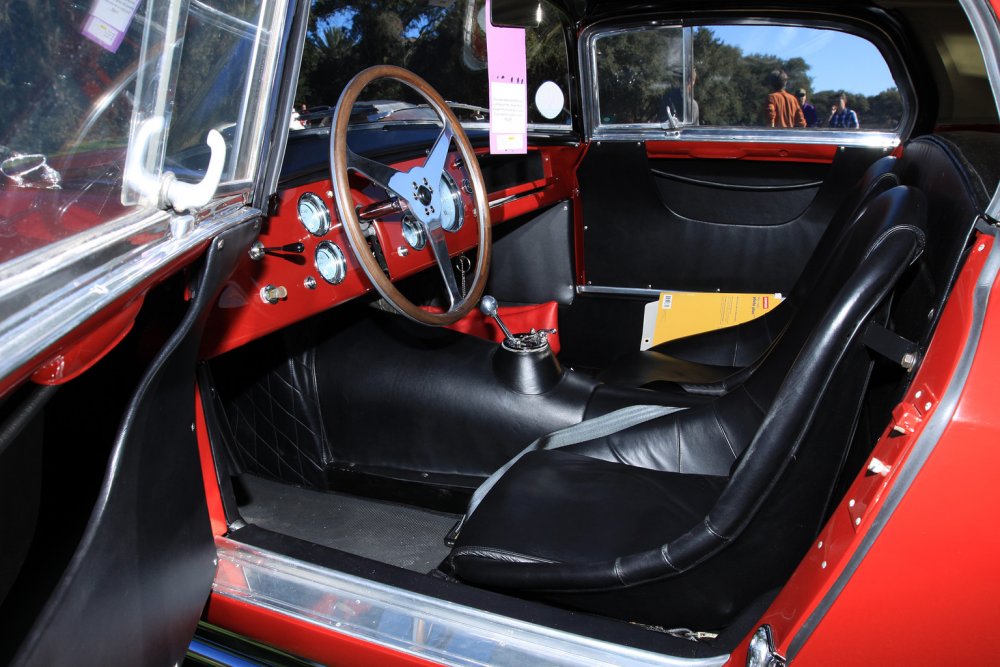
[{"x": 422, "y": 200}]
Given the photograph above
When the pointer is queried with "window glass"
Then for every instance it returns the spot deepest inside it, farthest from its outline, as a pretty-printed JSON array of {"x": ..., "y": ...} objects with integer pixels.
[
  {"x": 66, "y": 105},
  {"x": 744, "y": 76},
  {"x": 641, "y": 78},
  {"x": 74, "y": 82},
  {"x": 839, "y": 81},
  {"x": 445, "y": 43},
  {"x": 219, "y": 85}
]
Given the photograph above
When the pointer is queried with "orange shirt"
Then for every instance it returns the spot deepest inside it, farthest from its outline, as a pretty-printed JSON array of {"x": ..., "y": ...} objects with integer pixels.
[{"x": 784, "y": 110}]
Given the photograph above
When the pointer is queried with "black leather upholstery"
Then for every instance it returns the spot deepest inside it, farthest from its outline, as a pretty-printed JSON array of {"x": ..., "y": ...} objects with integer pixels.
[
  {"x": 685, "y": 519},
  {"x": 710, "y": 362}
]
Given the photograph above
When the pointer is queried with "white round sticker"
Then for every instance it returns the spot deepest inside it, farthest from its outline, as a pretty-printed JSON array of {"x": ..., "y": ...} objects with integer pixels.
[{"x": 549, "y": 99}]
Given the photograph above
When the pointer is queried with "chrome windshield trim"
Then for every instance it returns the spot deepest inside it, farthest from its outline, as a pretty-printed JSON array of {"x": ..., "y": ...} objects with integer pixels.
[
  {"x": 46, "y": 294},
  {"x": 412, "y": 623}
]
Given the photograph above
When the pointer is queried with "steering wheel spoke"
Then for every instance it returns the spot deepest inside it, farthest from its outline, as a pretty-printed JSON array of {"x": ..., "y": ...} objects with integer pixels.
[
  {"x": 434, "y": 164},
  {"x": 381, "y": 174},
  {"x": 439, "y": 248},
  {"x": 419, "y": 190}
]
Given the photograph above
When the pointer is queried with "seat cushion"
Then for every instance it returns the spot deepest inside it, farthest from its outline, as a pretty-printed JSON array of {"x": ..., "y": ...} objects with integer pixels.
[{"x": 557, "y": 506}]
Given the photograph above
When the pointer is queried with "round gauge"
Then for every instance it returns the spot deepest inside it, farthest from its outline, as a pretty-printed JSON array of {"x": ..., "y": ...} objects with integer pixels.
[
  {"x": 313, "y": 214},
  {"x": 413, "y": 233},
  {"x": 330, "y": 262},
  {"x": 452, "y": 206}
]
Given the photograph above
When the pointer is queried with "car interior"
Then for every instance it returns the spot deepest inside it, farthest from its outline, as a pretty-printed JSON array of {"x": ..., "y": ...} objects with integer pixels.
[{"x": 354, "y": 404}]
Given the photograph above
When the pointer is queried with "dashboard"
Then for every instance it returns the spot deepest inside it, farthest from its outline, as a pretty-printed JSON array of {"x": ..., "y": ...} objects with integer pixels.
[{"x": 302, "y": 262}]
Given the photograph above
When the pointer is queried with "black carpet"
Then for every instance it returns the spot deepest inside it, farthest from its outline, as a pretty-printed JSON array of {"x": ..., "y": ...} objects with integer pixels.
[{"x": 401, "y": 535}]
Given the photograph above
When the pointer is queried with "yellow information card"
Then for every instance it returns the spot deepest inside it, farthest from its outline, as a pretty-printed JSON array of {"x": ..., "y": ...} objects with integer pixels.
[{"x": 679, "y": 314}]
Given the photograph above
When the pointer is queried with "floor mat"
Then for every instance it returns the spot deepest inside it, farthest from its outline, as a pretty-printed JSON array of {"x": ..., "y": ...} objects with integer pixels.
[{"x": 408, "y": 537}]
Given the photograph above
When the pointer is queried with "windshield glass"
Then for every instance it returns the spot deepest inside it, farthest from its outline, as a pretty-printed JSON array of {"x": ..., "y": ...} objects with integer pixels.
[{"x": 443, "y": 42}]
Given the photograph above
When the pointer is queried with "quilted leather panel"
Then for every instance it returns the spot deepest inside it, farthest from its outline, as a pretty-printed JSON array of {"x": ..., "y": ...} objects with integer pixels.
[{"x": 276, "y": 425}]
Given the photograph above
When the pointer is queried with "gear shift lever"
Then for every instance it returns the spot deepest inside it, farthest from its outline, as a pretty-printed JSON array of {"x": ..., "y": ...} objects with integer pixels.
[
  {"x": 488, "y": 307},
  {"x": 524, "y": 362}
]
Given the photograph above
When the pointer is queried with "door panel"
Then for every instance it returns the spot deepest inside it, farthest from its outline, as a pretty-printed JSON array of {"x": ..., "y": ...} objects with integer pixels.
[
  {"x": 740, "y": 225},
  {"x": 141, "y": 573}
]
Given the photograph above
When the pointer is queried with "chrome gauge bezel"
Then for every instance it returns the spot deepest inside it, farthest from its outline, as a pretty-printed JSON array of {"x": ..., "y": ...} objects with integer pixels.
[
  {"x": 339, "y": 262},
  {"x": 450, "y": 190},
  {"x": 413, "y": 232},
  {"x": 313, "y": 199}
]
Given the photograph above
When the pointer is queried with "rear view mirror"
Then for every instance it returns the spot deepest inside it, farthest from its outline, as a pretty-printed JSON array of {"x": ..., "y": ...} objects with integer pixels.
[{"x": 516, "y": 13}]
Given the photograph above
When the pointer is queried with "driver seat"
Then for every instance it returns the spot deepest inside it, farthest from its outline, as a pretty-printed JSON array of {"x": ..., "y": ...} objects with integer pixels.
[{"x": 628, "y": 535}]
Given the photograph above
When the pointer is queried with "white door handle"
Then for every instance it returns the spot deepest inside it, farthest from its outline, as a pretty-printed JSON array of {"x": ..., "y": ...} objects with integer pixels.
[{"x": 166, "y": 190}]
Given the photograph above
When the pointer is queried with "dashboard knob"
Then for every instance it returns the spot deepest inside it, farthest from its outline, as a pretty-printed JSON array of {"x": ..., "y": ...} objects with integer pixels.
[{"x": 273, "y": 294}]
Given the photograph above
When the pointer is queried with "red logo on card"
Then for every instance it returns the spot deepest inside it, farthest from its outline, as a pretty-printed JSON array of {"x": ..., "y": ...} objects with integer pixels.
[{"x": 767, "y": 303}]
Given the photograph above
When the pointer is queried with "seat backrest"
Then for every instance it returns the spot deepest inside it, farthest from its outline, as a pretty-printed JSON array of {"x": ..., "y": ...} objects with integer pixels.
[
  {"x": 959, "y": 173},
  {"x": 777, "y": 494}
]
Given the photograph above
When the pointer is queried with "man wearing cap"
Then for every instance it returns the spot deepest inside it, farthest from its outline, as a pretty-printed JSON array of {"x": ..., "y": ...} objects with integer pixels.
[{"x": 808, "y": 110}]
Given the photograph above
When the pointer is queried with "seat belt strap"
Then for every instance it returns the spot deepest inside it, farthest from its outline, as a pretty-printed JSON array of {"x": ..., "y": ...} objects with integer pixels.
[{"x": 598, "y": 427}]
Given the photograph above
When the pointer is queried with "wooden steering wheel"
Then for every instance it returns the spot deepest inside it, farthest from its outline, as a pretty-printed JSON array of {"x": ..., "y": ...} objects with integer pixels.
[{"x": 418, "y": 191}]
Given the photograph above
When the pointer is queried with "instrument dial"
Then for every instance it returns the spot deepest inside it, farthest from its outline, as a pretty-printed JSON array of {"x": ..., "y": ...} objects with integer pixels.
[
  {"x": 330, "y": 262},
  {"x": 313, "y": 214},
  {"x": 452, "y": 207}
]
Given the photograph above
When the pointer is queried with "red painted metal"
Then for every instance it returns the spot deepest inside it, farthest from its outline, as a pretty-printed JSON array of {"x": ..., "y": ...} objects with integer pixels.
[
  {"x": 820, "y": 153},
  {"x": 241, "y": 316},
  {"x": 216, "y": 512},
  {"x": 302, "y": 638},
  {"x": 933, "y": 565},
  {"x": 89, "y": 344},
  {"x": 517, "y": 318}
]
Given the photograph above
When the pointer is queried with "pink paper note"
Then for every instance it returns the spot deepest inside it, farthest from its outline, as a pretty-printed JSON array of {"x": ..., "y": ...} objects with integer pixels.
[{"x": 506, "y": 66}]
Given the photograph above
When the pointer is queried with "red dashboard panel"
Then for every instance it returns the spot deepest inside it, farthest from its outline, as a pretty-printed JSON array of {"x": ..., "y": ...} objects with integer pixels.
[{"x": 242, "y": 315}]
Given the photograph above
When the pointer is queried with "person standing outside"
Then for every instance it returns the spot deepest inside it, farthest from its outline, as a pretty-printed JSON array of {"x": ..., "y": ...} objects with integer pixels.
[
  {"x": 808, "y": 110},
  {"x": 841, "y": 116},
  {"x": 782, "y": 109}
]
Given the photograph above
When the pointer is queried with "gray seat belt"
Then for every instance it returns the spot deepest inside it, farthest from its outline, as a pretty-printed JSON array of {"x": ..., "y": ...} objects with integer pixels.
[{"x": 598, "y": 427}]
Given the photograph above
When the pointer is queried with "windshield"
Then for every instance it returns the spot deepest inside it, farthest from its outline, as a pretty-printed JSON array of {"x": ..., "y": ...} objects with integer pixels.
[{"x": 443, "y": 42}]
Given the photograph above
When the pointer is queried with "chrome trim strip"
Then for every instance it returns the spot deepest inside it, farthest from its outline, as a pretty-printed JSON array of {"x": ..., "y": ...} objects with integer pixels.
[
  {"x": 216, "y": 655},
  {"x": 861, "y": 138},
  {"x": 987, "y": 31},
  {"x": 418, "y": 625},
  {"x": 46, "y": 294},
  {"x": 619, "y": 291}
]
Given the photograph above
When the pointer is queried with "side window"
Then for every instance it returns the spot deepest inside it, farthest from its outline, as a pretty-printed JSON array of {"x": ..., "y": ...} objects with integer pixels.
[
  {"x": 79, "y": 78},
  {"x": 837, "y": 80},
  {"x": 651, "y": 80}
]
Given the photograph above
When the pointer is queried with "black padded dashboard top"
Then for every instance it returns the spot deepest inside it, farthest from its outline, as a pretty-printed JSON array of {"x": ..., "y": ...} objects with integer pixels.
[{"x": 307, "y": 155}]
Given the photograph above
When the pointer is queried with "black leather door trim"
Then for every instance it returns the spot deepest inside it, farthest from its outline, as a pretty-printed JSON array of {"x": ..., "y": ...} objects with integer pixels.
[{"x": 740, "y": 187}]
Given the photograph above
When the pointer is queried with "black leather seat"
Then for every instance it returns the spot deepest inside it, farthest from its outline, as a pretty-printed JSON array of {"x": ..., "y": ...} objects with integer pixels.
[
  {"x": 686, "y": 519},
  {"x": 712, "y": 362}
]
